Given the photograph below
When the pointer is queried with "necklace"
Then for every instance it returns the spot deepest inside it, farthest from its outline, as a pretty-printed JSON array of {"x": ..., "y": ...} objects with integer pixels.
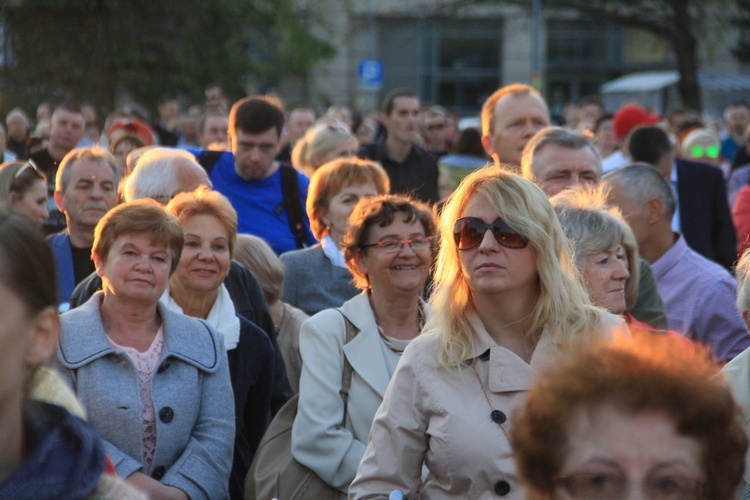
[
  {"x": 389, "y": 344},
  {"x": 497, "y": 416}
]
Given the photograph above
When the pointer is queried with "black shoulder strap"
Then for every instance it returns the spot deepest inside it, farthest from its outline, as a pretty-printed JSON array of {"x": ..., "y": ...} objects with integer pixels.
[
  {"x": 207, "y": 159},
  {"x": 294, "y": 210}
]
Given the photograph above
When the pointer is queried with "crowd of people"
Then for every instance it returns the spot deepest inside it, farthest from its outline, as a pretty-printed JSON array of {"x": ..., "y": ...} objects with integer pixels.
[{"x": 207, "y": 272}]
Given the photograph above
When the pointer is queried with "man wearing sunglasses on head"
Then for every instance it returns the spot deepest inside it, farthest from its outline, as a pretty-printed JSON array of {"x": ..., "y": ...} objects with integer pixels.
[
  {"x": 702, "y": 214},
  {"x": 556, "y": 159}
]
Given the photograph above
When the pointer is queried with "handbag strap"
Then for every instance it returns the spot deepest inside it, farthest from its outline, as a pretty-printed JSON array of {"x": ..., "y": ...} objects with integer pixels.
[{"x": 346, "y": 376}]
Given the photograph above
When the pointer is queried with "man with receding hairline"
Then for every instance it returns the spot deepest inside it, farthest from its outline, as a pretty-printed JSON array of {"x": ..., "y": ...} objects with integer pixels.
[{"x": 510, "y": 118}]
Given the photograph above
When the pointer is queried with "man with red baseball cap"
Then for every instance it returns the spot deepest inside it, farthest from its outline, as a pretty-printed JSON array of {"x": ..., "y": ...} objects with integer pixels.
[{"x": 625, "y": 120}]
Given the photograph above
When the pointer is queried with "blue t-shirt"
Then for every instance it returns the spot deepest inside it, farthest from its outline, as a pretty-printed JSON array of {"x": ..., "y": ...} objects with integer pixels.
[{"x": 259, "y": 204}]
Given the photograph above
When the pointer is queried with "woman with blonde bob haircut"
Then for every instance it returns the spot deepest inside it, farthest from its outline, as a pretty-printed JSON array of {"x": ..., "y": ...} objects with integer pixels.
[
  {"x": 317, "y": 277},
  {"x": 507, "y": 303},
  {"x": 323, "y": 143}
]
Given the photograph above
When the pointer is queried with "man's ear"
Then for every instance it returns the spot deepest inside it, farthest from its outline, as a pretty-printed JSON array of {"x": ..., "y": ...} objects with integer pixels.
[
  {"x": 58, "y": 196},
  {"x": 45, "y": 328},
  {"x": 487, "y": 145},
  {"x": 654, "y": 210}
]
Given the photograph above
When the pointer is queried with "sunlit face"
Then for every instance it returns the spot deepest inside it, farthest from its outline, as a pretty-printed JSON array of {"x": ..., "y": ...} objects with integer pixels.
[
  {"x": 516, "y": 119},
  {"x": 403, "y": 121},
  {"x": 33, "y": 202},
  {"x": 214, "y": 130},
  {"x": 391, "y": 272},
  {"x": 345, "y": 149},
  {"x": 205, "y": 257},
  {"x": 491, "y": 269},
  {"x": 254, "y": 154},
  {"x": 640, "y": 451},
  {"x": 135, "y": 269},
  {"x": 604, "y": 276},
  {"x": 557, "y": 168},
  {"x": 336, "y": 216},
  {"x": 90, "y": 193}
]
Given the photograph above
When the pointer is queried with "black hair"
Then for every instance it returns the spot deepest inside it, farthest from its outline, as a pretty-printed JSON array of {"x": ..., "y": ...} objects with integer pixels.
[{"x": 255, "y": 115}]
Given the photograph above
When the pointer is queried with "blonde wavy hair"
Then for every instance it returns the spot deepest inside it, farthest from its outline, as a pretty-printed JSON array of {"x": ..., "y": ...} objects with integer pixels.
[{"x": 563, "y": 307}]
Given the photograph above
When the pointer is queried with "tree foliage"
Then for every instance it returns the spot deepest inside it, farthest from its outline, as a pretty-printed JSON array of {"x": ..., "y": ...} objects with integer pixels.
[{"x": 97, "y": 50}]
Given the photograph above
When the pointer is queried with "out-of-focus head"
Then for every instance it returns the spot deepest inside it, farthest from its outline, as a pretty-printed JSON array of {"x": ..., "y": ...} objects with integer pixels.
[
  {"x": 558, "y": 158},
  {"x": 24, "y": 186},
  {"x": 18, "y": 124},
  {"x": 138, "y": 217},
  {"x": 400, "y": 115},
  {"x": 742, "y": 272},
  {"x": 341, "y": 182},
  {"x": 300, "y": 120},
  {"x": 643, "y": 196},
  {"x": 702, "y": 144},
  {"x": 651, "y": 144},
  {"x": 212, "y": 129},
  {"x": 29, "y": 323},
  {"x": 131, "y": 127},
  {"x": 203, "y": 201},
  {"x": 648, "y": 411},
  {"x": 590, "y": 109},
  {"x": 340, "y": 112},
  {"x": 258, "y": 256},
  {"x": 122, "y": 147},
  {"x": 66, "y": 127},
  {"x": 629, "y": 117},
  {"x": 604, "y": 247},
  {"x": 510, "y": 118},
  {"x": 162, "y": 173},
  {"x": 737, "y": 117},
  {"x": 379, "y": 212},
  {"x": 322, "y": 143}
]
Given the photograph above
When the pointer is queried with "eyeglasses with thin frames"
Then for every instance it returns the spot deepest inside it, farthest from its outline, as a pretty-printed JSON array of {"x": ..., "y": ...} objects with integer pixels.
[{"x": 393, "y": 245}]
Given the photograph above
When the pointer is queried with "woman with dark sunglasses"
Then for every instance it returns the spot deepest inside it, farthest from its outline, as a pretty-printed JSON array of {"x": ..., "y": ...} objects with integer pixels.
[
  {"x": 24, "y": 186},
  {"x": 507, "y": 303}
]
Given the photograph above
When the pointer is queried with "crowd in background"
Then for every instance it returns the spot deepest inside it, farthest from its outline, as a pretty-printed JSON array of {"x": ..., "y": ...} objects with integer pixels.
[{"x": 171, "y": 286}]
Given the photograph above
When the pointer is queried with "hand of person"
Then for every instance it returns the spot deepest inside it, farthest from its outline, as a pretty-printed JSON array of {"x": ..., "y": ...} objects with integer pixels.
[{"x": 154, "y": 489}]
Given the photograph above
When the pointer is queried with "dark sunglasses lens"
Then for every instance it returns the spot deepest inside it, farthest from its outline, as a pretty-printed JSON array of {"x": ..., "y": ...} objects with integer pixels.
[
  {"x": 506, "y": 236},
  {"x": 468, "y": 233}
]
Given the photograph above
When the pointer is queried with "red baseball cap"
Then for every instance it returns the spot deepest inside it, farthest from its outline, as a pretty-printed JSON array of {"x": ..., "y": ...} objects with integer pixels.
[
  {"x": 630, "y": 116},
  {"x": 130, "y": 126}
]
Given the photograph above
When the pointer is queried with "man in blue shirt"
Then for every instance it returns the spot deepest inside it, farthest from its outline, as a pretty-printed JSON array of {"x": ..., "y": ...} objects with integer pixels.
[{"x": 252, "y": 180}]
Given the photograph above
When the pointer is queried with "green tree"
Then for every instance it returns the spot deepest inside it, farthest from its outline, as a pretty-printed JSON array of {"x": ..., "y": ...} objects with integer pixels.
[{"x": 97, "y": 50}]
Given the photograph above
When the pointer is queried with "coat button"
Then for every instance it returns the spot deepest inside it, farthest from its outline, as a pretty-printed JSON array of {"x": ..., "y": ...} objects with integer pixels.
[
  {"x": 166, "y": 414},
  {"x": 158, "y": 473},
  {"x": 498, "y": 417},
  {"x": 502, "y": 488}
]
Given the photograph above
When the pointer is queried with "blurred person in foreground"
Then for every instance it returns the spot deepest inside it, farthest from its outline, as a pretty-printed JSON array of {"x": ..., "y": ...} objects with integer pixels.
[
  {"x": 47, "y": 452},
  {"x": 640, "y": 419},
  {"x": 318, "y": 277},
  {"x": 506, "y": 305}
]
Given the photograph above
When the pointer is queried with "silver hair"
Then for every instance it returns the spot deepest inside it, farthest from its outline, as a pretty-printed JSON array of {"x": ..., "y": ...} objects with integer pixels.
[
  {"x": 156, "y": 173},
  {"x": 558, "y": 136},
  {"x": 644, "y": 182}
]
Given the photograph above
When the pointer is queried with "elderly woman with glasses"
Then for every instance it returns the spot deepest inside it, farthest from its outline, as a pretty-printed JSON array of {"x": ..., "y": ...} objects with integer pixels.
[
  {"x": 507, "y": 303},
  {"x": 24, "y": 186},
  {"x": 388, "y": 249}
]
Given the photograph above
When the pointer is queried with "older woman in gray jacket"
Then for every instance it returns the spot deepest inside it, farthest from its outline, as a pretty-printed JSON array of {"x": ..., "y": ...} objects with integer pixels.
[{"x": 155, "y": 384}]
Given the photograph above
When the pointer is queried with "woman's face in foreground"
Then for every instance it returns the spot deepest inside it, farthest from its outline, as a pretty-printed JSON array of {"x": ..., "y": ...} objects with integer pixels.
[
  {"x": 616, "y": 454},
  {"x": 604, "y": 276},
  {"x": 135, "y": 268}
]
